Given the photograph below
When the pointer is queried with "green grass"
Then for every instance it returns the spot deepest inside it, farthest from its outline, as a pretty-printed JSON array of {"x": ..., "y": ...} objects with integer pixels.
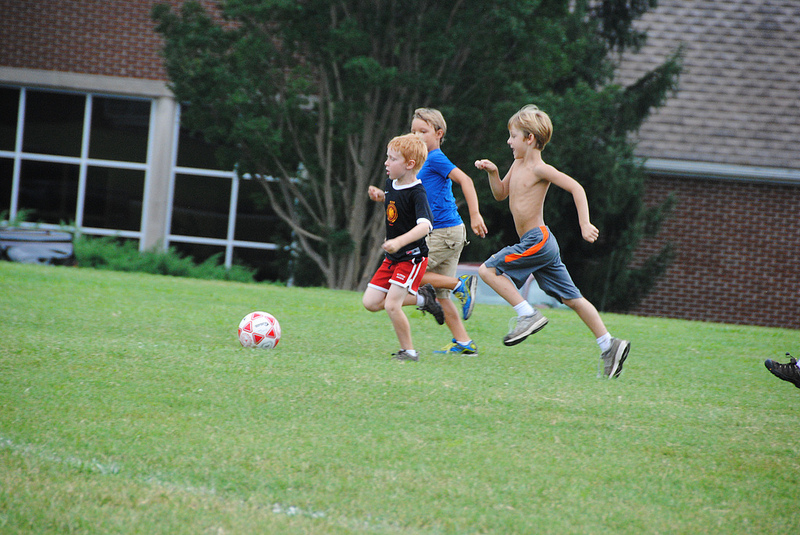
[{"x": 128, "y": 406}]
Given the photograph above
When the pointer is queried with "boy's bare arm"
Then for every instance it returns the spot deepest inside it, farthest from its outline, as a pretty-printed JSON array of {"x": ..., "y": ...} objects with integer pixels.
[
  {"x": 567, "y": 183},
  {"x": 499, "y": 187},
  {"x": 416, "y": 233},
  {"x": 471, "y": 196}
]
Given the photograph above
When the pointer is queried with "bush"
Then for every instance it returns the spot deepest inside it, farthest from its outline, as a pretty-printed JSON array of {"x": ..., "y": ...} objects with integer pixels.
[{"x": 116, "y": 255}]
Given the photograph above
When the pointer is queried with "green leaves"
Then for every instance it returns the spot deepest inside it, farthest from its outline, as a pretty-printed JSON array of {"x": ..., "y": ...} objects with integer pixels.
[{"x": 279, "y": 83}]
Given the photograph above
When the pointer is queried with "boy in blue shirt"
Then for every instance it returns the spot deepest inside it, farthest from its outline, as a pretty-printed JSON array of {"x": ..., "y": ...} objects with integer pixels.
[{"x": 449, "y": 235}]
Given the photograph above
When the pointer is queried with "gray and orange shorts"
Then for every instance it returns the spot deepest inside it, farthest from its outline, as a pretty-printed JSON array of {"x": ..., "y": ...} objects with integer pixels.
[{"x": 536, "y": 254}]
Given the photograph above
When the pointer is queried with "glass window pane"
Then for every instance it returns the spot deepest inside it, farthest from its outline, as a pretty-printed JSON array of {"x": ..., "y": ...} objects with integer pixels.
[
  {"x": 113, "y": 198},
  {"x": 201, "y": 206},
  {"x": 53, "y": 123},
  {"x": 193, "y": 151},
  {"x": 50, "y": 190},
  {"x": 255, "y": 220},
  {"x": 6, "y": 175},
  {"x": 119, "y": 129},
  {"x": 9, "y": 108}
]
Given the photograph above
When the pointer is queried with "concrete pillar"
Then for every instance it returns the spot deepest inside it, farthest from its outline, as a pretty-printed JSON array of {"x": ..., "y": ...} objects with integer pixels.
[{"x": 157, "y": 188}]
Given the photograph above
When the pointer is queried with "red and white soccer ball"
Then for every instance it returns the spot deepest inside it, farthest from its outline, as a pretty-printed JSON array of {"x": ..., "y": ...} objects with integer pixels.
[{"x": 259, "y": 329}]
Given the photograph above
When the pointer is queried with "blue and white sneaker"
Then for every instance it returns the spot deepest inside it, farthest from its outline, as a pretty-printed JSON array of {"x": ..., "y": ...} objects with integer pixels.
[
  {"x": 454, "y": 348},
  {"x": 469, "y": 285}
]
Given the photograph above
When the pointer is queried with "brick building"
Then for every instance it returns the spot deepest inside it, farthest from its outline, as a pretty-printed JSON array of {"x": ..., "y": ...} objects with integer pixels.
[
  {"x": 726, "y": 146},
  {"x": 86, "y": 116}
]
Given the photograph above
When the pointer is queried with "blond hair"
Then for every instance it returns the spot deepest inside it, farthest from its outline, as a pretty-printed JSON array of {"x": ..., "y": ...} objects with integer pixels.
[
  {"x": 531, "y": 120},
  {"x": 433, "y": 117},
  {"x": 411, "y": 147}
]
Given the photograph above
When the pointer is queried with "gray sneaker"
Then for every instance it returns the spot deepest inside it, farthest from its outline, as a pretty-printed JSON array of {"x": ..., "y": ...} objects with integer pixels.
[
  {"x": 405, "y": 355},
  {"x": 431, "y": 304},
  {"x": 525, "y": 326},
  {"x": 612, "y": 359}
]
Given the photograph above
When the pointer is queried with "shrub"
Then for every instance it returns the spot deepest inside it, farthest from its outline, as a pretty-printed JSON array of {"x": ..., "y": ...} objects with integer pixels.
[{"x": 112, "y": 254}]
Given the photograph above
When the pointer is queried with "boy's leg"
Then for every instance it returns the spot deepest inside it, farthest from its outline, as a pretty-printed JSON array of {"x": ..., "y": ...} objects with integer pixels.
[
  {"x": 373, "y": 299},
  {"x": 451, "y": 317},
  {"x": 529, "y": 321},
  {"x": 501, "y": 284},
  {"x": 467, "y": 297},
  {"x": 437, "y": 280},
  {"x": 614, "y": 356},
  {"x": 588, "y": 313},
  {"x": 394, "y": 308},
  {"x": 453, "y": 320},
  {"x": 444, "y": 251}
]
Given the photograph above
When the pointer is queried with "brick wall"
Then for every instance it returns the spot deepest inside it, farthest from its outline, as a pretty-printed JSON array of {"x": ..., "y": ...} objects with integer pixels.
[
  {"x": 108, "y": 37},
  {"x": 738, "y": 253}
]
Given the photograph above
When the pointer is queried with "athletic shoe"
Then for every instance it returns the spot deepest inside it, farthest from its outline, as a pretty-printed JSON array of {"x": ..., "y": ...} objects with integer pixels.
[
  {"x": 405, "y": 355},
  {"x": 788, "y": 372},
  {"x": 454, "y": 348},
  {"x": 431, "y": 304},
  {"x": 613, "y": 358},
  {"x": 469, "y": 283},
  {"x": 525, "y": 326}
]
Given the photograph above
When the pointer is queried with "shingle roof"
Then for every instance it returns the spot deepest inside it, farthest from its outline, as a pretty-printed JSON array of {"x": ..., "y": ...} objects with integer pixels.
[{"x": 738, "y": 101}]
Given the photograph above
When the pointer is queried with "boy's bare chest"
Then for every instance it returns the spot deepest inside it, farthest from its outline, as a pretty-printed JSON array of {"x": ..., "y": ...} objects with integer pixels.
[{"x": 526, "y": 184}]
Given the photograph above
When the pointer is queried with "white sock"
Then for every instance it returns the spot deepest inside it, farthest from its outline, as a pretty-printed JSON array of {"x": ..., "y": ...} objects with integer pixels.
[
  {"x": 420, "y": 300},
  {"x": 604, "y": 342},
  {"x": 459, "y": 286},
  {"x": 412, "y": 352},
  {"x": 524, "y": 309},
  {"x": 465, "y": 344}
]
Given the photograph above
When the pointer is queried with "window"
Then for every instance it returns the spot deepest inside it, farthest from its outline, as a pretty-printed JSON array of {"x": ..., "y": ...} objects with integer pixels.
[
  {"x": 113, "y": 198},
  {"x": 83, "y": 159},
  {"x": 6, "y": 180},
  {"x": 119, "y": 129},
  {"x": 201, "y": 206},
  {"x": 53, "y": 123},
  {"x": 49, "y": 190},
  {"x": 9, "y": 104},
  {"x": 73, "y": 144},
  {"x": 212, "y": 207}
]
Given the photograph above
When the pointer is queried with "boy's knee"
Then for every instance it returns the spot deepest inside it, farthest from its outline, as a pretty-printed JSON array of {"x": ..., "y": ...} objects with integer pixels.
[
  {"x": 576, "y": 303},
  {"x": 485, "y": 271},
  {"x": 371, "y": 304},
  {"x": 392, "y": 307}
]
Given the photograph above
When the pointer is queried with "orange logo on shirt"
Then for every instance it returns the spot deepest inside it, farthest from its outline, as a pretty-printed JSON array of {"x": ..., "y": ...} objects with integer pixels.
[{"x": 391, "y": 212}]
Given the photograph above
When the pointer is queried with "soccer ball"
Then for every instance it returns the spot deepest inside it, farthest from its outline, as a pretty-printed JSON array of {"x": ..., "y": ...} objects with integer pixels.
[{"x": 259, "y": 329}]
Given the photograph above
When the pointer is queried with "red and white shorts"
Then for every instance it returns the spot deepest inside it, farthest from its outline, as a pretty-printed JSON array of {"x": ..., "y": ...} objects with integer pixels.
[{"x": 407, "y": 274}]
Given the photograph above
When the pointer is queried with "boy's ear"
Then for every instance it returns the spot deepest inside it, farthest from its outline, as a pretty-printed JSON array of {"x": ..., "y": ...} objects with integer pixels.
[{"x": 410, "y": 164}]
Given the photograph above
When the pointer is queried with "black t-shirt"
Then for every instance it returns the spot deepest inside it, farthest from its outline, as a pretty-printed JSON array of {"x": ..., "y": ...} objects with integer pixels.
[{"x": 405, "y": 207}]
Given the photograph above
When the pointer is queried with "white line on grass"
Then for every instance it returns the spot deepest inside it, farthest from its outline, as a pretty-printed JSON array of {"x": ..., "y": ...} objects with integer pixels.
[{"x": 114, "y": 469}]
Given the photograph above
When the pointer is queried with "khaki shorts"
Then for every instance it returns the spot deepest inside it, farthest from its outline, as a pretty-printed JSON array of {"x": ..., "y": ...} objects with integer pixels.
[{"x": 444, "y": 251}]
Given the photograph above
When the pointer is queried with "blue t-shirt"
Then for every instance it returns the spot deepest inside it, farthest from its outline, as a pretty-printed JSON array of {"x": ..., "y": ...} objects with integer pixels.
[{"x": 440, "y": 189}]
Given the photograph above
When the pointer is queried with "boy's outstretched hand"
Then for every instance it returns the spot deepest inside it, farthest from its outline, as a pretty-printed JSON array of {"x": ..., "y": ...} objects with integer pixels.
[
  {"x": 376, "y": 194},
  {"x": 486, "y": 165}
]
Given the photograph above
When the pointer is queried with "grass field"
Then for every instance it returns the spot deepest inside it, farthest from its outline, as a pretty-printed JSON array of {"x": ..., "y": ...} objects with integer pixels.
[{"x": 128, "y": 406}]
